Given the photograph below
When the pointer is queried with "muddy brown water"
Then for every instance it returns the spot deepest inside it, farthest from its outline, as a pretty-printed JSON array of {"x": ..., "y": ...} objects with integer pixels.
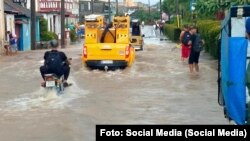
[{"x": 157, "y": 89}]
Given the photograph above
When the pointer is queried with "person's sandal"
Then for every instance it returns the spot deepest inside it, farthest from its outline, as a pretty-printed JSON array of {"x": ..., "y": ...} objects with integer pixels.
[
  {"x": 43, "y": 84},
  {"x": 65, "y": 84}
]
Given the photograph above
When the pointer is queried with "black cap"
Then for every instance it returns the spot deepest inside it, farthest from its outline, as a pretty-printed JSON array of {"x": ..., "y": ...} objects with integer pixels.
[{"x": 54, "y": 43}]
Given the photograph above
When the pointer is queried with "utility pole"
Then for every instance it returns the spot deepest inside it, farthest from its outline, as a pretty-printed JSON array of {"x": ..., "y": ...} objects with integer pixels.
[
  {"x": 62, "y": 23},
  {"x": 160, "y": 11},
  {"x": 92, "y": 6},
  {"x": 33, "y": 24},
  {"x": 177, "y": 7},
  {"x": 2, "y": 26},
  {"x": 109, "y": 12},
  {"x": 177, "y": 13},
  {"x": 116, "y": 7},
  {"x": 149, "y": 12}
]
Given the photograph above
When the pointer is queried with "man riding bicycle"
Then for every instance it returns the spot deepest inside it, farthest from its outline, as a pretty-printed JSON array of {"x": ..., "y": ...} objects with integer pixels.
[{"x": 55, "y": 62}]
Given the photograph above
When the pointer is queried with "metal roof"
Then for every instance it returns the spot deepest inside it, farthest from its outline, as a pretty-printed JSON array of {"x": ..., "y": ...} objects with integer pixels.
[{"x": 14, "y": 8}]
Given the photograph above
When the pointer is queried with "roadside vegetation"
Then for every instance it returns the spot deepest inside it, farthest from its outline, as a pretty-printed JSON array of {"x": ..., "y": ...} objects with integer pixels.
[{"x": 205, "y": 14}]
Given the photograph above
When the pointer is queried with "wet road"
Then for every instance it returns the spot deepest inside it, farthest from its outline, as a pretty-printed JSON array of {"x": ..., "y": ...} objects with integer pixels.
[{"x": 157, "y": 89}]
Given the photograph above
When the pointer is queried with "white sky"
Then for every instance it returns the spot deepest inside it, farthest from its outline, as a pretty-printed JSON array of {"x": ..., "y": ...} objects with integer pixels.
[{"x": 152, "y": 2}]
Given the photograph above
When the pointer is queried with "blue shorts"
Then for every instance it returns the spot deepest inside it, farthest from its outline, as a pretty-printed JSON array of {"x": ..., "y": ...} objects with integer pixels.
[{"x": 13, "y": 47}]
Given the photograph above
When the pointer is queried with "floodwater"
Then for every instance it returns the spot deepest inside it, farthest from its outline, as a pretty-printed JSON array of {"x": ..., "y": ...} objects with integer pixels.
[{"x": 157, "y": 89}]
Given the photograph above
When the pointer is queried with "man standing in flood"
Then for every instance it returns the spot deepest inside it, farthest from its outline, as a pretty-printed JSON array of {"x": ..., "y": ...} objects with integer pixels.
[{"x": 196, "y": 47}]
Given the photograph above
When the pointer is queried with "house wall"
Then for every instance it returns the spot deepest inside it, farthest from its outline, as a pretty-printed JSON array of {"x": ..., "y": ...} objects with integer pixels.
[
  {"x": 58, "y": 24},
  {"x": 10, "y": 23},
  {"x": 37, "y": 30},
  {"x": 2, "y": 27},
  {"x": 54, "y": 24},
  {"x": 28, "y": 5},
  {"x": 50, "y": 22},
  {"x": 54, "y": 20},
  {"x": 70, "y": 20},
  {"x": 26, "y": 36}
]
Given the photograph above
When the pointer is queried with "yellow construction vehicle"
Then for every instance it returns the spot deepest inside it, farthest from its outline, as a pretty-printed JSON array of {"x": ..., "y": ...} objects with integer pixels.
[
  {"x": 107, "y": 45},
  {"x": 136, "y": 35}
]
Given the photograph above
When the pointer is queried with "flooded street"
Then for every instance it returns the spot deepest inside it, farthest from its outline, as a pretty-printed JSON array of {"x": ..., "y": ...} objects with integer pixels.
[{"x": 157, "y": 89}]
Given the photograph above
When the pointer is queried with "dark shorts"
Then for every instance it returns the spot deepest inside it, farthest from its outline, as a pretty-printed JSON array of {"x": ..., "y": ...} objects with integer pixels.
[{"x": 194, "y": 57}]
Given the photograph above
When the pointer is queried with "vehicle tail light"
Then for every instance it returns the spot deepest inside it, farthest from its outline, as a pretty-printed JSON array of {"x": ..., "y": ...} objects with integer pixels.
[
  {"x": 127, "y": 51},
  {"x": 85, "y": 52}
]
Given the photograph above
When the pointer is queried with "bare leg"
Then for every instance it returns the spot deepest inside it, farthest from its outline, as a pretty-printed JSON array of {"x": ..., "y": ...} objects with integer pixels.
[
  {"x": 182, "y": 59},
  {"x": 197, "y": 67},
  {"x": 191, "y": 68}
]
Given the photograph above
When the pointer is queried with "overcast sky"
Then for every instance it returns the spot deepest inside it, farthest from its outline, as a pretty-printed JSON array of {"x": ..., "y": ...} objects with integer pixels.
[{"x": 152, "y": 2}]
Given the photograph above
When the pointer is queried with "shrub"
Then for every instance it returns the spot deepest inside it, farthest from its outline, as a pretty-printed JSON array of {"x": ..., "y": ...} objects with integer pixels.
[
  {"x": 43, "y": 25},
  {"x": 44, "y": 33},
  {"x": 210, "y": 30},
  {"x": 72, "y": 35},
  {"x": 48, "y": 36},
  {"x": 172, "y": 32}
]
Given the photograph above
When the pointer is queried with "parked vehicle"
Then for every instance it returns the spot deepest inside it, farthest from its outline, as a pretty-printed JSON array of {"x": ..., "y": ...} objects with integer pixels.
[{"x": 136, "y": 35}]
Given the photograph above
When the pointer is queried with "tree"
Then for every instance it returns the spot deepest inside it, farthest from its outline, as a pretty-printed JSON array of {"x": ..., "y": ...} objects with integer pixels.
[
  {"x": 144, "y": 15},
  {"x": 204, "y": 8},
  {"x": 168, "y": 7},
  {"x": 208, "y": 8}
]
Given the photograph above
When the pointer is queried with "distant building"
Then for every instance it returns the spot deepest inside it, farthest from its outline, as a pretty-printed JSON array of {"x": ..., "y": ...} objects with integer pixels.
[
  {"x": 99, "y": 7},
  {"x": 51, "y": 9},
  {"x": 18, "y": 21},
  {"x": 129, "y": 3}
]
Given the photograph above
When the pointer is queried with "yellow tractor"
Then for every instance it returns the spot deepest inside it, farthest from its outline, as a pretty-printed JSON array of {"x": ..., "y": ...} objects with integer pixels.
[{"x": 107, "y": 45}]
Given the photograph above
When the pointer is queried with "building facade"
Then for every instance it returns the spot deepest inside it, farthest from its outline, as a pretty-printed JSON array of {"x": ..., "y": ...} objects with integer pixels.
[
  {"x": 17, "y": 20},
  {"x": 51, "y": 9},
  {"x": 2, "y": 27},
  {"x": 99, "y": 7},
  {"x": 129, "y": 3}
]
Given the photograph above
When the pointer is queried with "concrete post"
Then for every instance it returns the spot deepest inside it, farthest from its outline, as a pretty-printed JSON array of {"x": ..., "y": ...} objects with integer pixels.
[
  {"x": 109, "y": 11},
  {"x": 33, "y": 25},
  {"x": 62, "y": 23},
  {"x": 2, "y": 27},
  {"x": 117, "y": 12}
]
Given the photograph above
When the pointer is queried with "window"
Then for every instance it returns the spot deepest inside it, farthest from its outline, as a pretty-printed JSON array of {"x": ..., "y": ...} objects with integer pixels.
[
  {"x": 82, "y": 7},
  {"x": 18, "y": 1},
  {"x": 89, "y": 6}
]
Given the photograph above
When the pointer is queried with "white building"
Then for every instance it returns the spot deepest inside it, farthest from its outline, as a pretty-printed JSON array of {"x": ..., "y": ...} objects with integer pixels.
[{"x": 51, "y": 9}]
